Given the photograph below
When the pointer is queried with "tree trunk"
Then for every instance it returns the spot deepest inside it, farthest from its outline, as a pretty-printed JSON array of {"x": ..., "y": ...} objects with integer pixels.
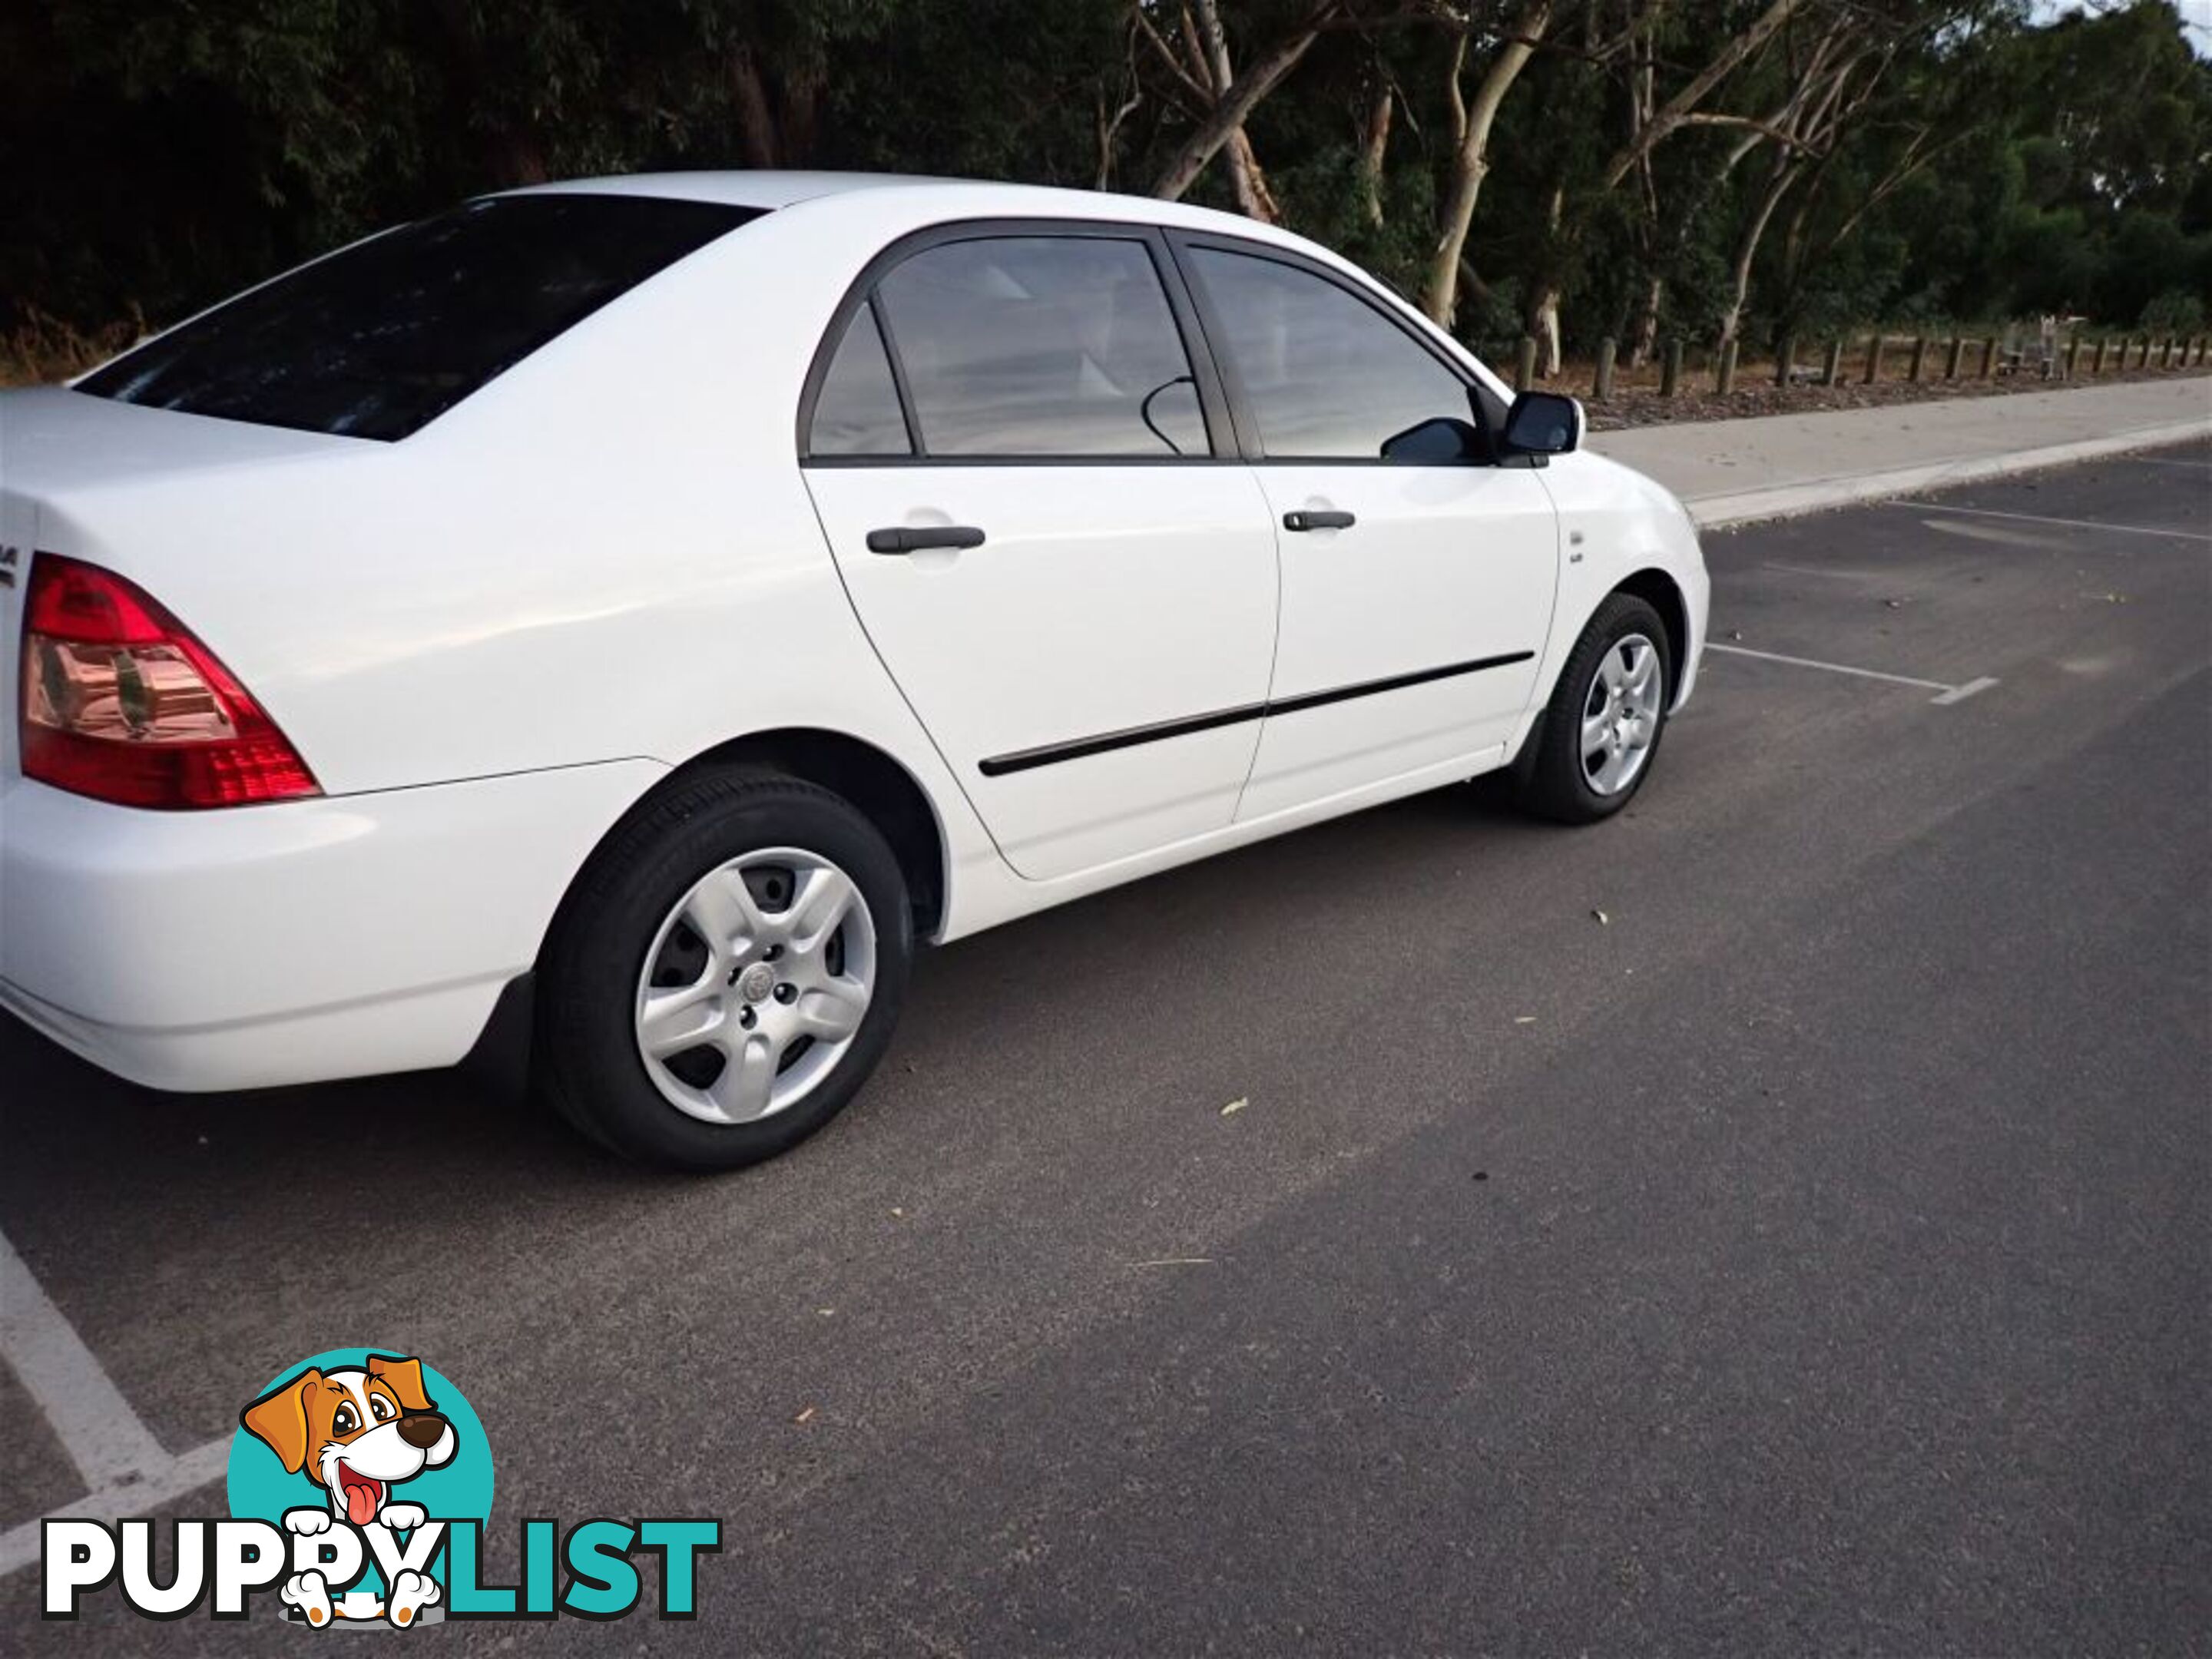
[
  {"x": 1253, "y": 199},
  {"x": 1542, "y": 319},
  {"x": 1258, "y": 79},
  {"x": 1471, "y": 158},
  {"x": 1374, "y": 151},
  {"x": 775, "y": 124},
  {"x": 1785, "y": 174},
  {"x": 1646, "y": 340}
]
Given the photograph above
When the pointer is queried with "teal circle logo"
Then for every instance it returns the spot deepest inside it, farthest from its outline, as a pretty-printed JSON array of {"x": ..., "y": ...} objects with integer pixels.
[{"x": 374, "y": 1443}]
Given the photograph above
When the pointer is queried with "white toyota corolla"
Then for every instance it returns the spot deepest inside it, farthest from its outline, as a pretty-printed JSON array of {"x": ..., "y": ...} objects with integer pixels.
[{"x": 627, "y": 616}]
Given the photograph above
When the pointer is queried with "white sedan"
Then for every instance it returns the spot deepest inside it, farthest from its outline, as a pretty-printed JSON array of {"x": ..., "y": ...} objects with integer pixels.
[{"x": 624, "y": 618}]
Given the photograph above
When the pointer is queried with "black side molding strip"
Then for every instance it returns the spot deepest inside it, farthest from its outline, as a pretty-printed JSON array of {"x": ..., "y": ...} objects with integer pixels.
[{"x": 1049, "y": 754}]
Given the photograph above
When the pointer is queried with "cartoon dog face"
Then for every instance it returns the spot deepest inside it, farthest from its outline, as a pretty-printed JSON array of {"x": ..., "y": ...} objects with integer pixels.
[{"x": 355, "y": 1432}]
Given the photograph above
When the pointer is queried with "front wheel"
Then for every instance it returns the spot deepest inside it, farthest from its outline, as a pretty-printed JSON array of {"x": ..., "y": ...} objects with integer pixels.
[
  {"x": 725, "y": 974},
  {"x": 1596, "y": 741}
]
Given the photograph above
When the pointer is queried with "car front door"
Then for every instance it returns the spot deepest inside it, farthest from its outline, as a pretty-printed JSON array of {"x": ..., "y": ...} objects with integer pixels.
[
  {"x": 1418, "y": 578},
  {"x": 1011, "y": 438}
]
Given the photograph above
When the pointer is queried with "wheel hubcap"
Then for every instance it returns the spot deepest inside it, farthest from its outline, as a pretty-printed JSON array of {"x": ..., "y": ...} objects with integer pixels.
[
  {"x": 1620, "y": 715},
  {"x": 756, "y": 985}
]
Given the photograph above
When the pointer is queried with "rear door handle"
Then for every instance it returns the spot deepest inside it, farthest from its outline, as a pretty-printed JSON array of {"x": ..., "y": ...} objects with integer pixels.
[
  {"x": 912, "y": 539},
  {"x": 1316, "y": 518}
]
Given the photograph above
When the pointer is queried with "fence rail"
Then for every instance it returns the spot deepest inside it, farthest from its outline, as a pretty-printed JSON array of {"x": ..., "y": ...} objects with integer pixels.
[{"x": 1927, "y": 357}]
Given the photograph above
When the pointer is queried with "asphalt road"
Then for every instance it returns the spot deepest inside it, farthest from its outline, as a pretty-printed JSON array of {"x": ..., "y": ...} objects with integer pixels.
[{"x": 1809, "y": 1256}]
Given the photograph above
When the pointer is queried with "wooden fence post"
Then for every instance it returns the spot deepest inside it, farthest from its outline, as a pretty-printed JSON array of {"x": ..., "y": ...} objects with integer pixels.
[
  {"x": 1724, "y": 376},
  {"x": 1831, "y": 373},
  {"x": 1951, "y": 357},
  {"x": 2165, "y": 353},
  {"x": 1873, "y": 357},
  {"x": 2073, "y": 353},
  {"x": 1524, "y": 366},
  {"x": 1670, "y": 370},
  {"x": 1919, "y": 357},
  {"x": 2097, "y": 362},
  {"x": 1602, "y": 388},
  {"x": 1989, "y": 356},
  {"x": 1785, "y": 361},
  {"x": 2142, "y": 352}
]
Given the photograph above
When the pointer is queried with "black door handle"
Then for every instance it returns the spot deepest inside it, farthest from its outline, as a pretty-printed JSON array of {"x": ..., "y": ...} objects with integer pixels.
[
  {"x": 912, "y": 539},
  {"x": 1316, "y": 518}
]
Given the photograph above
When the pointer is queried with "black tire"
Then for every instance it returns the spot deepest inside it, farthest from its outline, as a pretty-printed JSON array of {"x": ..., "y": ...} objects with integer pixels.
[
  {"x": 586, "y": 1063},
  {"x": 1554, "y": 785}
]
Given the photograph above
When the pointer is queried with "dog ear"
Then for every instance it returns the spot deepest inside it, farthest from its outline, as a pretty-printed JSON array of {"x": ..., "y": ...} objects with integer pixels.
[
  {"x": 279, "y": 1419},
  {"x": 405, "y": 1376}
]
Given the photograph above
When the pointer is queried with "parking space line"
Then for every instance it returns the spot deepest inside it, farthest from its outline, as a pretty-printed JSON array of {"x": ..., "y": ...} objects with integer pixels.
[
  {"x": 120, "y": 1460},
  {"x": 203, "y": 1466},
  {"x": 2038, "y": 518},
  {"x": 1950, "y": 693}
]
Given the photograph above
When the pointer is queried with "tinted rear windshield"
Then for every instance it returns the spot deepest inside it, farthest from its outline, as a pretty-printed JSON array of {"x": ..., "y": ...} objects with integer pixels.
[{"x": 378, "y": 340}]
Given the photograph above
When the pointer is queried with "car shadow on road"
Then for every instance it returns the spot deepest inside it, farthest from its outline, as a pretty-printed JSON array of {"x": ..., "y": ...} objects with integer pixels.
[{"x": 80, "y": 1138}]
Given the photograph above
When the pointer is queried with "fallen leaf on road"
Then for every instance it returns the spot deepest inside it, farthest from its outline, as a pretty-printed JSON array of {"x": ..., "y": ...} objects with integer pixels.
[
  {"x": 1603, "y": 920},
  {"x": 1235, "y": 1105},
  {"x": 806, "y": 1416},
  {"x": 1524, "y": 1019}
]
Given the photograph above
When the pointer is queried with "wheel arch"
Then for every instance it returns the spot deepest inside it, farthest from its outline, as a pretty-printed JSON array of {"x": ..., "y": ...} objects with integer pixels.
[
  {"x": 1663, "y": 594},
  {"x": 879, "y": 785}
]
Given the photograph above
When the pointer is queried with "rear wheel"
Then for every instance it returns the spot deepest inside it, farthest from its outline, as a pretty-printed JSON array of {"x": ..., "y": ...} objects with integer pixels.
[
  {"x": 725, "y": 974},
  {"x": 1596, "y": 739}
]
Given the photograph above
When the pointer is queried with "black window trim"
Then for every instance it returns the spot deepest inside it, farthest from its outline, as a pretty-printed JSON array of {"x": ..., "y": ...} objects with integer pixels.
[
  {"x": 1225, "y": 436},
  {"x": 1485, "y": 403}
]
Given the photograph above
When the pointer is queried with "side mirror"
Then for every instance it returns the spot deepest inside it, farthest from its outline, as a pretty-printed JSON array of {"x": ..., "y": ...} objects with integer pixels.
[
  {"x": 1543, "y": 424},
  {"x": 1436, "y": 443}
]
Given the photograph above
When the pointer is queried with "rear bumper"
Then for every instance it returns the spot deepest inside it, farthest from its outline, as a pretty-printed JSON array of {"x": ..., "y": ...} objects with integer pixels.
[{"x": 291, "y": 943}]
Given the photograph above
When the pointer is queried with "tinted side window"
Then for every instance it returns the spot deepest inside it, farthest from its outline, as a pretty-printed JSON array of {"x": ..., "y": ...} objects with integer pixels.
[
  {"x": 1327, "y": 375},
  {"x": 1042, "y": 346},
  {"x": 856, "y": 410},
  {"x": 382, "y": 337}
]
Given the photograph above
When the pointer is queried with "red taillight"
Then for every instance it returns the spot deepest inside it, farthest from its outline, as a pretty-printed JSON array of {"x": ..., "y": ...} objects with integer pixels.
[{"x": 121, "y": 704}]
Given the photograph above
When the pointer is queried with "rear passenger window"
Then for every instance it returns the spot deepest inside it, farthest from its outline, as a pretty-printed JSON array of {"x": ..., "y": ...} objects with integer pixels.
[
  {"x": 856, "y": 410},
  {"x": 1328, "y": 377},
  {"x": 1042, "y": 346}
]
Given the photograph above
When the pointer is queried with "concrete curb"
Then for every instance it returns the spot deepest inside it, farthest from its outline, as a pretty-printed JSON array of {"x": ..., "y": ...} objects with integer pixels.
[{"x": 1818, "y": 495}]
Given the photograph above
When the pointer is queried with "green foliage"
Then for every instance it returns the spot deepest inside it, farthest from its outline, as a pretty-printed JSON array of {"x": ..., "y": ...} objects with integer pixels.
[{"x": 157, "y": 156}]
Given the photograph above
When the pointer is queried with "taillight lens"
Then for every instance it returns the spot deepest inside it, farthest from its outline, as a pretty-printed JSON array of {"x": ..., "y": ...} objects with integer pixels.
[{"x": 121, "y": 704}]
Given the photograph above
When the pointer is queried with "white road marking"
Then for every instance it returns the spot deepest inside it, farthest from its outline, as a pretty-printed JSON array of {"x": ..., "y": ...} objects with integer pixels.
[
  {"x": 203, "y": 1466},
  {"x": 1960, "y": 693},
  {"x": 1950, "y": 693},
  {"x": 2038, "y": 518},
  {"x": 125, "y": 1467},
  {"x": 95, "y": 1424}
]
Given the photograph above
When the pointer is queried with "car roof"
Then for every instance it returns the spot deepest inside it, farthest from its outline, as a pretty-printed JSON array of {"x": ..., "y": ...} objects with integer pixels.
[
  {"x": 769, "y": 189},
  {"x": 761, "y": 188}
]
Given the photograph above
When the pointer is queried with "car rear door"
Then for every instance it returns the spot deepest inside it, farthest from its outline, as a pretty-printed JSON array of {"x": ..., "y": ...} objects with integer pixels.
[
  {"x": 1418, "y": 578},
  {"x": 1021, "y": 457}
]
